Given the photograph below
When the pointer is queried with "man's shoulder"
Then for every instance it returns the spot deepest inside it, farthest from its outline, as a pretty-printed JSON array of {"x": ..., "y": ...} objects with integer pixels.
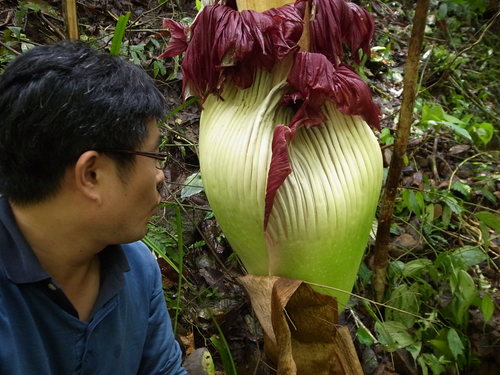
[{"x": 144, "y": 273}]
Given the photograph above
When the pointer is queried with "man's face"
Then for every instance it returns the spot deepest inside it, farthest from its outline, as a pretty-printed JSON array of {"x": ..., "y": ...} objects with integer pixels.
[{"x": 134, "y": 199}]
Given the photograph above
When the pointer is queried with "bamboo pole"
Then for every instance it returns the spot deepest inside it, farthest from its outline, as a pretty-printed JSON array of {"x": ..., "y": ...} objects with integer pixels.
[
  {"x": 381, "y": 256},
  {"x": 260, "y": 5},
  {"x": 71, "y": 19}
]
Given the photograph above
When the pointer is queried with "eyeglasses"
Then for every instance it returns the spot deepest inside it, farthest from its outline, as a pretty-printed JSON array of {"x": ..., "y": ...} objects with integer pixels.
[{"x": 161, "y": 158}]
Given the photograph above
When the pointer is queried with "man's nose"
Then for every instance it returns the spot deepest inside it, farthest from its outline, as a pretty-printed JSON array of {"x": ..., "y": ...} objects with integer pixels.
[{"x": 160, "y": 177}]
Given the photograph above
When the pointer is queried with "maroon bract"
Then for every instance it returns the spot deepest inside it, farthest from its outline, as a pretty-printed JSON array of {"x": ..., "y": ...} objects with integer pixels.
[
  {"x": 227, "y": 45},
  {"x": 178, "y": 38},
  {"x": 336, "y": 23}
]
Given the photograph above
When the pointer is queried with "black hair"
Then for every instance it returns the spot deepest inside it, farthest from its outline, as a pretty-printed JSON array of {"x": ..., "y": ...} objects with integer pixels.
[{"x": 61, "y": 100}]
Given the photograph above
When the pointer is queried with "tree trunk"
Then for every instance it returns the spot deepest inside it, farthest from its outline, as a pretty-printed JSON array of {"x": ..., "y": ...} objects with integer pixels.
[{"x": 381, "y": 256}]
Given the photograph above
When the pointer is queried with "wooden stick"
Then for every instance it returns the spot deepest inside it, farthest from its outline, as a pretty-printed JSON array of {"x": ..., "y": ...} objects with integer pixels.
[
  {"x": 260, "y": 5},
  {"x": 71, "y": 19},
  {"x": 381, "y": 256}
]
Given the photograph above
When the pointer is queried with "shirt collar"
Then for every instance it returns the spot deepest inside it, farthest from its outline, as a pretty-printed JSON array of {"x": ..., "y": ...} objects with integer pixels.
[{"x": 21, "y": 264}]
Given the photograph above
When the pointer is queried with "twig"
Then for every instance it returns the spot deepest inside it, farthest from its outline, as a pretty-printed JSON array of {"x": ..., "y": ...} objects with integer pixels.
[
  {"x": 7, "y": 18},
  {"x": 462, "y": 163},
  {"x": 466, "y": 92},
  {"x": 360, "y": 323},
  {"x": 9, "y": 48},
  {"x": 446, "y": 72},
  {"x": 365, "y": 299},
  {"x": 56, "y": 30},
  {"x": 433, "y": 159}
]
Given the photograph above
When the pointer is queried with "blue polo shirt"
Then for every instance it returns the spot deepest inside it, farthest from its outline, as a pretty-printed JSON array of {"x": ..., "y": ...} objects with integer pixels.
[{"x": 40, "y": 334}]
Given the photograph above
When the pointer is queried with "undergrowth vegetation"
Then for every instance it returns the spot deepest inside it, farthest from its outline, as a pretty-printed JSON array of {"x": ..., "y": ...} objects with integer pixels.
[{"x": 440, "y": 313}]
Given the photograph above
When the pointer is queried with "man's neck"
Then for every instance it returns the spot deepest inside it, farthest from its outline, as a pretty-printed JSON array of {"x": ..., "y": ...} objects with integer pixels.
[
  {"x": 62, "y": 246},
  {"x": 65, "y": 250}
]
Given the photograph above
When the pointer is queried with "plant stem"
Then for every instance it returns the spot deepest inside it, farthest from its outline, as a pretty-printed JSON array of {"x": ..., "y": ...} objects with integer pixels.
[
  {"x": 180, "y": 249},
  {"x": 381, "y": 256}
]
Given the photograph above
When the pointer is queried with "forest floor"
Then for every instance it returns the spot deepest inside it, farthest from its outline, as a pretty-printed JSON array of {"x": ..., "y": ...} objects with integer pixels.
[{"x": 212, "y": 302}]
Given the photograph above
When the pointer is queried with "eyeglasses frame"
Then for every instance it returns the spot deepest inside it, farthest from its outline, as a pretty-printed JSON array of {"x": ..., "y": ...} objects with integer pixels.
[{"x": 161, "y": 156}]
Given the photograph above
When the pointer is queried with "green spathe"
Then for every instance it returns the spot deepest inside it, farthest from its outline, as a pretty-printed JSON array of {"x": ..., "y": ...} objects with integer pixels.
[{"x": 322, "y": 215}]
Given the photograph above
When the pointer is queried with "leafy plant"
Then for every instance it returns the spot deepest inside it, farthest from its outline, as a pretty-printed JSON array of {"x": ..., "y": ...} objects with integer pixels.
[
  {"x": 25, "y": 6},
  {"x": 434, "y": 116},
  {"x": 442, "y": 290}
]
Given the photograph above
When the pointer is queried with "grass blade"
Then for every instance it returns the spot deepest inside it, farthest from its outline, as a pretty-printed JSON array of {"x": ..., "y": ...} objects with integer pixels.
[
  {"x": 121, "y": 25},
  {"x": 222, "y": 347}
]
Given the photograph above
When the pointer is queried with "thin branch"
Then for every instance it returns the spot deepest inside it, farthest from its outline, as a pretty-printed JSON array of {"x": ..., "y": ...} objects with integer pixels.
[
  {"x": 9, "y": 48},
  {"x": 445, "y": 73}
]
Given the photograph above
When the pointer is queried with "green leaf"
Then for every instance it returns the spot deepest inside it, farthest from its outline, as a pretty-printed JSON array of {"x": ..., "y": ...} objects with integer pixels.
[
  {"x": 483, "y": 132},
  {"x": 488, "y": 194},
  {"x": 443, "y": 10},
  {"x": 423, "y": 365},
  {"x": 364, "y": 274},
  {"x": 452, "y": 119},
  {"x": 466, "y": 287},
  {"x": 385, "y": 338},
  {"x": 440, "y": 345},
  {"x": 437, "y": 365},
  {"x": 462, "y": 188},
  {"x": 432, "y": 113},
  {"x": 386, "y": 136},
  {"x": 415, "y": 349},
  {"x": 419, "y": 198},
  {"x": 193, "y": 185},
  {"x": 485, "y": 234},
  {"x": 470, "y": 255},
  {"x": 364, "y": 337},
  {"x": 491, "y": 220},
  {"x": 121, "y": 25},
  {"x": 395, "y": 270},
  {"x": 15, "y": 30},
  {"x": 455, "y": 343},
  {"x": 453, "y": 204},
  {"x": 414, "y": 201},
  {"x": 446, "y": 216},
  {"x": 415, "y": 267},
  {"x": 220, "y": 343},
  {"x": 457, "y": 129},
  {"x": 487, "y": 307},
  {"x": 393, "y": 335},
  {"x": 465, "y": 294},
  {"x": 403, "y": 298}
]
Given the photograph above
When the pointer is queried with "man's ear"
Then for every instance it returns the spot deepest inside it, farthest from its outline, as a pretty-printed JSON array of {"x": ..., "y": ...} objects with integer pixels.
[{"x": 88, "y": 175}]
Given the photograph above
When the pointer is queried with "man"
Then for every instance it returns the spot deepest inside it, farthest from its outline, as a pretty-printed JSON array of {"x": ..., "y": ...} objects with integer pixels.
[{"x": 79, "y": 176}]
